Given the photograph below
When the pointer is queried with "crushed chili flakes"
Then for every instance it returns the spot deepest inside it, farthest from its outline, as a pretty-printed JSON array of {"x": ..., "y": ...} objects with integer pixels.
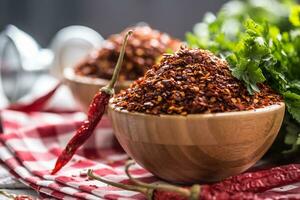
[
  {"x": 143, "y": 49},
  {"x": 191, "y": 81}
]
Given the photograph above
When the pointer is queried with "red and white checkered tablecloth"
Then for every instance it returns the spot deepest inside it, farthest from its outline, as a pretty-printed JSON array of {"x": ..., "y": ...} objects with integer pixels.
[{"x": 32, "y": 142}]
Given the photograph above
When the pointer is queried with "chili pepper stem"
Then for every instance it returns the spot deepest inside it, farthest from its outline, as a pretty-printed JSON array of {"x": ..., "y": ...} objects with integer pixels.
[
  {"x": 118, "y": 185},
  {"x": 8, "y": 195},
  {"x": 109, "y": 89},
  {"x": 148, "y": 189},
  {"x": 169, "y": 188}
]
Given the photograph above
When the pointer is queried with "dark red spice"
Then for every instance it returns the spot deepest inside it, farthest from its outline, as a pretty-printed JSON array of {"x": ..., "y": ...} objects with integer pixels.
[
  {"x": 244, "y": 186},
  {"x": 23, "y": 197},
  {"x": 95, "y": 113},
  {"x": 191, "y": 81},
  {"x": 144, "y": 48}
]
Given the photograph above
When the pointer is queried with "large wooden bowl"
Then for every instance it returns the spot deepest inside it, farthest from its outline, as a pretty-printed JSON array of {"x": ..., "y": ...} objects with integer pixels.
[
  {"x": 199, "y": 147},
  {"x": 84, "y": 88}
]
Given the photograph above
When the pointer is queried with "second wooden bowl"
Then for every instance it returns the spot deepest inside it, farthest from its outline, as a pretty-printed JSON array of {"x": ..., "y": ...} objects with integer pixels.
[
  {"x": 200, "y": 147},
  {"x": 84, "y": 88}
]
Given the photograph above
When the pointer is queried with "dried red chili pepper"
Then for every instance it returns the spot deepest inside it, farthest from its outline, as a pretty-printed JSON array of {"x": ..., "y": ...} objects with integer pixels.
[
  {"x": 244, "y": 186},
  {"x": 95, "y": 113},
  {"x": 37, "y": 104},
  {"x": 260, "y": 181}
]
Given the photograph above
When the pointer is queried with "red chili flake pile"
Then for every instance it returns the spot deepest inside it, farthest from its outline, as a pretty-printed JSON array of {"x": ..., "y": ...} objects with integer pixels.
[
  {"x": 188, "y": 82},
  {"x": 143, "y": 49}
]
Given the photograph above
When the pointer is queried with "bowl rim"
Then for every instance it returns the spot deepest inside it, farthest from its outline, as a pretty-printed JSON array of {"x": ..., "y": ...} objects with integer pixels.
[
  {"x": 69, "y": 74},
  {"x": 269, "y": 108}
]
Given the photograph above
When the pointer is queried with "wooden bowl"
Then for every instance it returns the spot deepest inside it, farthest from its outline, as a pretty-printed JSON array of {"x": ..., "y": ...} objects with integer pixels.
[
  {"x": 199, "y": 147},
  {"x": 84, "y": 88}
]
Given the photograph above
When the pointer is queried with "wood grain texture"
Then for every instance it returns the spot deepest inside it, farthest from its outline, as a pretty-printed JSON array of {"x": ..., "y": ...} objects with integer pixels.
[
  {"x": 84, "y": 88},
  {"x": 197, "y": 148}
]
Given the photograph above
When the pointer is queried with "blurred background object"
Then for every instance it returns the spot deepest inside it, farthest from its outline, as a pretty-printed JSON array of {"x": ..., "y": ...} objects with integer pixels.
[
  {"x": 42, "y": 19},
  {"x": 23, "y": 61},
  {"x": 36, "y": 25}
]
